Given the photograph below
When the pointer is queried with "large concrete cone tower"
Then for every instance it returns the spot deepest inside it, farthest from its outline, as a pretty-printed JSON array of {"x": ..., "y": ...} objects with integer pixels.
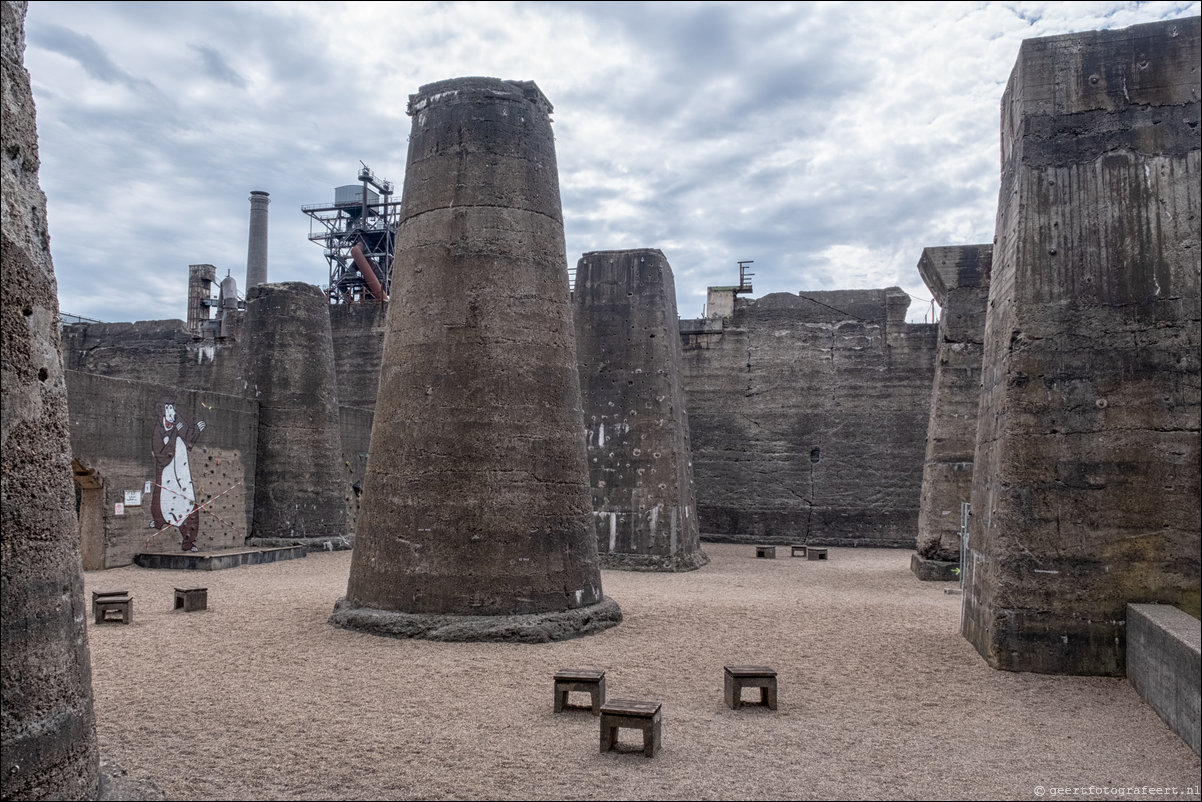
[
  {"x": 300, "y": 486},
  {"x": 641, "y": 465},
  {"x": 476, "y": 521},
  {"x": 47, "y": 727}
]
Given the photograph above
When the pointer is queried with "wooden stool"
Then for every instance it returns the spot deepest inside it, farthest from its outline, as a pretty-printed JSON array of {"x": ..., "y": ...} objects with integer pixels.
[
  {"x": 107, "y": 602},
  {"x": 816, "y": 554},
  {"x": 795, "y": 548},
  {"x": 767, "y": 552},
  {"x": 643, "y": 716},
  {"x": 740, "y": 677},
  {"x": 579, "y": 679},
  {"x": 191, "y": 599}
]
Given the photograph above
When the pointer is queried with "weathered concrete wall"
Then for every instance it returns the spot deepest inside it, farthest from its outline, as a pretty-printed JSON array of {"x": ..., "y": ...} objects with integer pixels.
[
  {"x": 1086, "y": 475},
  {"x": 476, "y": 502},
  {"x": 160, "y": 352},
  {"x": 358, "y": 331},
  {"x": 958, "y": 276},
  {"x": 47, "y": 727},
  {"x": 115, "y": 434},
  {"x": 300, "y": 487},
  {"x": 354, "y": 427},
  {"x": 1164, "y": 664},
  {"x": 640, "y": 462},
  {"x": 808, "y": 416}
]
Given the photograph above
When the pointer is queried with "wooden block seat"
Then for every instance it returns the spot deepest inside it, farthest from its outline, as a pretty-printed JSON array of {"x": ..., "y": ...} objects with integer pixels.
[
  {"x": 112, "y": 605},
  {"x": 766, "y": 552},
  {"x": 632, "y": 714},
  {"x": 739, "y": 677},
  {"x": 797, "y": 549},
  {"x": 583, "y": 680},
  {"x": 816, "y": 554},
  {"x": 190, "y": 599}
]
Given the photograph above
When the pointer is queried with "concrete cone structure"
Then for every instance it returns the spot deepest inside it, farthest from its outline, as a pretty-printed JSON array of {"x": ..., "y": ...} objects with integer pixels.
[
  {"x": 640, "y": 462},
  {"x": 476, "y": 522},
  {"x": 48, "y": 734},
  {"x": 300, "y": 484}
]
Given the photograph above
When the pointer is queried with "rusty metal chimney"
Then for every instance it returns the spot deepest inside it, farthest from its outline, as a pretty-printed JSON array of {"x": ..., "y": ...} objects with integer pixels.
[{"x": 256, "y": 250}]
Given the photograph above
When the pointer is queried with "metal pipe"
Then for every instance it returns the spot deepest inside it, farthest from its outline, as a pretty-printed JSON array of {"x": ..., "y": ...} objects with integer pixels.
[{"x": 369, "y": 274}]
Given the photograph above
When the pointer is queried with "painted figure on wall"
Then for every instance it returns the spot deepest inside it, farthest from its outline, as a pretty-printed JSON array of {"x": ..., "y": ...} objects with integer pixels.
[{"x": 174, "y": 500}]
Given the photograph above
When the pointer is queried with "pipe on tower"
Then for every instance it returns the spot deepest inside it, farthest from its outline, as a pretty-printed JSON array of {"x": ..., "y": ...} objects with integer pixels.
[
  {"x": 367, "y": 268},
  {"x": 256, "y": 250}
]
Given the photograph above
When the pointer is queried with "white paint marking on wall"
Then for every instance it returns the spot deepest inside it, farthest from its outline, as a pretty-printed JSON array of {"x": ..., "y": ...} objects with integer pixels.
[
  {"x": 1043, "y": 571},
  {"x": 613, "y": 531},
  {"x": 205, "y": 352},
  {"x": 579, "y": 597},
  {"x": 672, "y": 536},
  {"x": 654, "y": 515},
  {"x": 601, "y": 435}
]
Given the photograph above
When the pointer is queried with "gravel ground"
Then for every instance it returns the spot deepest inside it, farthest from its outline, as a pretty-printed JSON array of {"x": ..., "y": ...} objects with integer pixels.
[{"x": 258, "y": 697}]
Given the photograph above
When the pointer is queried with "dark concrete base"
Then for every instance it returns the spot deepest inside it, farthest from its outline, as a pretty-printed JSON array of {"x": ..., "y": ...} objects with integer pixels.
[
  {"x": 342, "y": 543},
  {"x": 1164, "y": 646},
  {"x": 537, "y": 628},
  {"x": 203, "y": 561},
  {"x": 648, "y": 562},
  {"x": 934, "y": 570}
]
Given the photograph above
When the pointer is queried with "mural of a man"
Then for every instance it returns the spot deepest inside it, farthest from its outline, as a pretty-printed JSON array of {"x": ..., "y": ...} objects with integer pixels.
[{"x": 174, "y": 500}]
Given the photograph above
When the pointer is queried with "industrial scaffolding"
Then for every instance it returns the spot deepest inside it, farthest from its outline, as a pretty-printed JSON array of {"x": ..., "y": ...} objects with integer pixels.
[{"x": 358, "y": 236}]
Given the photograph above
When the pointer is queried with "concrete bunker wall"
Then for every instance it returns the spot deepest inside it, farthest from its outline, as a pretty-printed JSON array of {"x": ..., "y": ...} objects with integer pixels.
[
  {"x": 114, "y": 427},
  {"x": 1086, "y": 469},
  {"x": 808, "y": 417}
]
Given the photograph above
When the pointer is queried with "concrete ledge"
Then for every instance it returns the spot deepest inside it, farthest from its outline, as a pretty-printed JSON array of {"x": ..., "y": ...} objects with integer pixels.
[
  {"x": 934, "y": 570},
  {"x": 535, "y": 628},
  {"x": 1163, "y": 665},
  {"x": 203, "y": 561},
  {"x": 340, "y": 543},
  {"x": 648, "y": 562}
]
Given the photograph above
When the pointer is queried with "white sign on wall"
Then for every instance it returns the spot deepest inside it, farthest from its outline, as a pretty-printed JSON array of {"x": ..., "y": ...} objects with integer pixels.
[
  {"x": 133, "y": 498},
  {"x": 118, "y": 509},
  {"x": 148, "y": 487}
]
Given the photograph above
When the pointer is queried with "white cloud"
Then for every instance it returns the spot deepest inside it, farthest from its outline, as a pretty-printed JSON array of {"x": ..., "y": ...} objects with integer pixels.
[{"x": 830, "y": 142}]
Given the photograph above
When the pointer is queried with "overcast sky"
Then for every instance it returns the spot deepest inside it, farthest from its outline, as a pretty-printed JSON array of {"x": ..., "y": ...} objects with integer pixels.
[{"x": 828, "y": 142}]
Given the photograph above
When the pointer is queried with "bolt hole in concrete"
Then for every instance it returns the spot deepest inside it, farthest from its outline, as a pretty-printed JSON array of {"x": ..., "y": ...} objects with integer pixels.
[{"x": 43, "y": 374}]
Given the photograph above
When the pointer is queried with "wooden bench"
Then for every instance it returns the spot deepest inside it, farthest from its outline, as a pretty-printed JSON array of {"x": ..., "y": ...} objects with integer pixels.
[
  {"x": 105, "y": 603},
  {"x": 766, "y": 552},
  {"x": 190, "y": 599},
  {"x": 740, "y": 677},
  {"x": 796, "y": 548},
  {"x": 643, "y": 716},
  {"x": 583, "y": 680},
  {"x": 816, "y": 554}
]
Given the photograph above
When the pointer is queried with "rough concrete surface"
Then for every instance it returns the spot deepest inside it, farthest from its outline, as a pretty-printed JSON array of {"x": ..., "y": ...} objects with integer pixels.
[
  {"x": 47, "y": 727},
  {"x": 299, "y": 478},
  {"x": 476, "y": 498},
  {"x": 1088, "y": 457},
  {"x": 958, "y": 277},
  {"x": 258, "y": 697},
  {"x": 640, "y": 461},
  {"x": 808, "y": 416}
]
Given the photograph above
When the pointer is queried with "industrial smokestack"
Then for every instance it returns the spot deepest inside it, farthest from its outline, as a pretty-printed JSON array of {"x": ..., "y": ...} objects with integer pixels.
[{"x": 256, "y": 250}]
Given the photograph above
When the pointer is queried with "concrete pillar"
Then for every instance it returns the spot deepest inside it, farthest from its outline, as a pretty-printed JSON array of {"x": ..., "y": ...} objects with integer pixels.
[
  {"x": 256, "y": 249},
  {"x": 200, "y": 283},
  {"x": 300, "y": 484},
  {"x": 47, "y": 728},
  {"x": 476, "y": 522},
  {"x": 958, "y": 277},
  {"x": 1086, "y": 470},
  {"x": 640, "y": 462}
]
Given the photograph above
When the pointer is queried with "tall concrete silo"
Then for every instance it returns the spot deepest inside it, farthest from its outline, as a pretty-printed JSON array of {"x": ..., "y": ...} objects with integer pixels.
[{"x": 476, "y": 521}]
